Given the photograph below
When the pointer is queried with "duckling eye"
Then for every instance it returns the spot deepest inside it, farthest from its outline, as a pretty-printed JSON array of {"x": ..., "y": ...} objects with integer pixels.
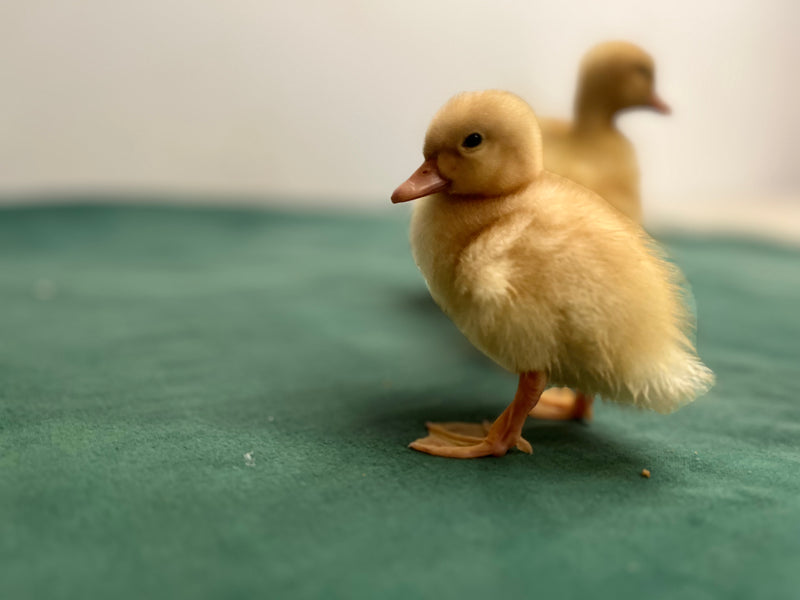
[{"x": 472, "y": 140}]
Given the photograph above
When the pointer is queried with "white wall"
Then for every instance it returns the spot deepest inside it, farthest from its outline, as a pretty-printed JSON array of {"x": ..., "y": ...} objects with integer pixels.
[{"x": 330, "y": 100}]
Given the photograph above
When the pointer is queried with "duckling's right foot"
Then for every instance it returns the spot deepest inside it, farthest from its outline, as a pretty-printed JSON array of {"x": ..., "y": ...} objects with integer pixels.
[{"x": 466, "y": 440}]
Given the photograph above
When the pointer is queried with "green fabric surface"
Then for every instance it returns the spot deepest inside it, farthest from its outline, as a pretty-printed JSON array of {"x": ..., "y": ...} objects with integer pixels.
[{"x": 145, "y": 350}]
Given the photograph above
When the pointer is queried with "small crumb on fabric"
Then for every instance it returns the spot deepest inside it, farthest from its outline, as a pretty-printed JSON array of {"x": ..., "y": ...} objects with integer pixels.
[
  {"x": 645, "y": 473},
  {"x": 270, "y": 418},
  {"x": 249, "y": 461}
]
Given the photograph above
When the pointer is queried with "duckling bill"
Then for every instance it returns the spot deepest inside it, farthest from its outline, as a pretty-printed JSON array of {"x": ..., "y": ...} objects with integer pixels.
[{"x": 496, "y": 235}]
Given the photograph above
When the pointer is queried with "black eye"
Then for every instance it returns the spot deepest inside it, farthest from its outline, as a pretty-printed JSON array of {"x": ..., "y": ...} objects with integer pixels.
[{"x": 472, "y": 140}]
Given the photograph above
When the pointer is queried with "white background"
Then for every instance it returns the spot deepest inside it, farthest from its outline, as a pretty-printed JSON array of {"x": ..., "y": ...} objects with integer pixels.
[{"x": 326, "y": 103}]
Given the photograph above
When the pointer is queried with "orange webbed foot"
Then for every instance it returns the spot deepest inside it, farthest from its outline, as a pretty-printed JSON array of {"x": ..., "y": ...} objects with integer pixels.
[
  {"x": 465, "y": 440},
  {"x": 563, "y": 404}
]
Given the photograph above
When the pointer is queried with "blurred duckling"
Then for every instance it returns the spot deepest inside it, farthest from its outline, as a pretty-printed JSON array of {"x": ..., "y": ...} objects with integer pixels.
[
  {"x": 614, "y": 76},
  {"x": 497, "y": 237}
]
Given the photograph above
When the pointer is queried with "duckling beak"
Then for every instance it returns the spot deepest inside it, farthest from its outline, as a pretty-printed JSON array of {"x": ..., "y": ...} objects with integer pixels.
[
  {"x": 423, "y": 182},
  {"x": 659, "y": 105}
]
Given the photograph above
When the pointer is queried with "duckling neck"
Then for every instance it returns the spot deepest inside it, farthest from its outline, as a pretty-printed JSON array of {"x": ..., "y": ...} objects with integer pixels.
[{"x": 592, "y": 116}]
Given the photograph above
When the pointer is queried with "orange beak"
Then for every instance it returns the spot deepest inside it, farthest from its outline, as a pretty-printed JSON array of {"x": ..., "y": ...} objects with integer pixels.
[
  {"x": 659, "y": 105},
  {"x": 423, "y": 182}
]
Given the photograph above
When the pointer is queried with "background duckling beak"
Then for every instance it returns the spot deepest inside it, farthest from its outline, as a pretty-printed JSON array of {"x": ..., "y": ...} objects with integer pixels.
[
  {"x": 424, "y": 181},
  {"x": 659, "y": 105}
]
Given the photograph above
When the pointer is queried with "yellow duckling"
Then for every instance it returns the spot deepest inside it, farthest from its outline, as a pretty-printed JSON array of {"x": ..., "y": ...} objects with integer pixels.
[
  {"x": 497, "y": 239},
  {"x": 614, "y": 76}
]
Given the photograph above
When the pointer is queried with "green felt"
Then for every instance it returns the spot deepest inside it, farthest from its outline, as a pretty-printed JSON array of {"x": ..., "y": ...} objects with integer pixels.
[{"x": 144, "y": 351}]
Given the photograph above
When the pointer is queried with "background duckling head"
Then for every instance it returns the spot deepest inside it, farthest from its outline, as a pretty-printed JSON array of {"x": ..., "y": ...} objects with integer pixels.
[
  {"x": 615, "y": 76},
  {"x": 478, "y": 144}
]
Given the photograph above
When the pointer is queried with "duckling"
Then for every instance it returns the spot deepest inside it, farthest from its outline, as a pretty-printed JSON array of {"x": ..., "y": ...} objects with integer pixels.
[
  {"x": 614, "y": 76},
  {"x": 497, "y": 237}
]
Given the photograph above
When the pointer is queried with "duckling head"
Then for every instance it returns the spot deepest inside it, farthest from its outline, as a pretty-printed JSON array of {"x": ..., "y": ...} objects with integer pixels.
[
  {"x": 615, "y": 76},
  {"x": 480, "y": 144}
]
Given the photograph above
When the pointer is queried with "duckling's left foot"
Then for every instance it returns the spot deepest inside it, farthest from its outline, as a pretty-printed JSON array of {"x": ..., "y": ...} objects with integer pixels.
[
  {"x": 463, "y": 440},
  {"x": 562, "y": 404}
]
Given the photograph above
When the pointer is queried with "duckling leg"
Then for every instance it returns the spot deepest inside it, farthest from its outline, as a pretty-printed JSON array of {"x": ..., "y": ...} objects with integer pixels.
[
  {"x": 563, "y": 404},
  {"x": 456, "y": 440}
]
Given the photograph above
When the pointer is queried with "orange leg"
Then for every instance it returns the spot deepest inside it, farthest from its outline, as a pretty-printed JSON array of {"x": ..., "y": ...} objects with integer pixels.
[
  {"x": 562, "y": 404},
  {"x": 459, "y": 440}
]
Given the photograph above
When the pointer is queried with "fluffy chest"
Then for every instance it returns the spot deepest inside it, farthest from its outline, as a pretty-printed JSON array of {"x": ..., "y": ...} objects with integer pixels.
[{"x": 467, "y": 254}]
